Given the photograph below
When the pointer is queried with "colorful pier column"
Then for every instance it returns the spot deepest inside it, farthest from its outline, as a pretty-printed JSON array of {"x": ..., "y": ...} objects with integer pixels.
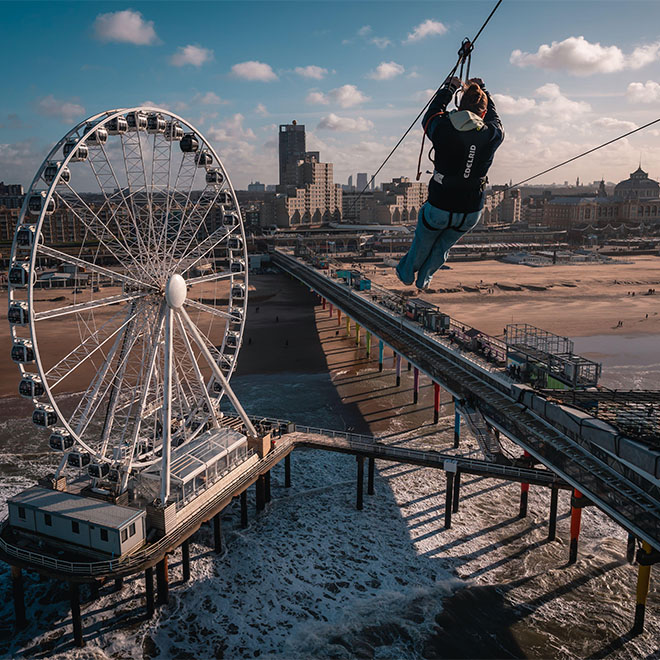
[
  {"x": 398, "y": 370},
  {"x": 339, "y": 317},
  {"x": 357, "y": 334},
  {"x": 524, "y": 495},
  {"x": 436, "y": 403},
  {"x": 643, "y": 581},
  {"x": 370, "y": 475},
  {"x": 149, "y": 591},
  {"x": 457, "y": 425},
  {"x": 409, "y": 365},
  {"x": 217, "y": 533},
  {"x": 368, "y": 344},
  {"x": 287, "y": 471},
  {"x": 348, "y": 326},
  {"x": 576, "y": 519},
  {"x": 323, "y": 302},
  {"x": 331, "y": 310},
  {"x": 162, "y": 582},
  {"x": 416, "y": 385},
  {"x": 380, "y": 354}
]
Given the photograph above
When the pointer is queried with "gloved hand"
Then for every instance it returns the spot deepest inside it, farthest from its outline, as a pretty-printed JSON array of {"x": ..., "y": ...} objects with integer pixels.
[
  {"x": 479, "y": 82},
  {"x": 453, "y": 84}
]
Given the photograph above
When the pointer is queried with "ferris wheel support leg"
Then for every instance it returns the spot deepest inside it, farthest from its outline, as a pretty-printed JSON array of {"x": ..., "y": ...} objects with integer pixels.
[
  {"x": 217, "y": 372},
  {"x": 167, "y": 409},
  {"x": 60, "y": 467}
]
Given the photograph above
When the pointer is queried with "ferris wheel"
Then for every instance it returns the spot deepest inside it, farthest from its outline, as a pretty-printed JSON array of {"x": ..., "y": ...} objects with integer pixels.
[{"x": 128, "y": 292}]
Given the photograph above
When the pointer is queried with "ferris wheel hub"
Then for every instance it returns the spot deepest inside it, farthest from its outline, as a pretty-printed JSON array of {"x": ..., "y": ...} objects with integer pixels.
[{"x": 175, "y": 291}]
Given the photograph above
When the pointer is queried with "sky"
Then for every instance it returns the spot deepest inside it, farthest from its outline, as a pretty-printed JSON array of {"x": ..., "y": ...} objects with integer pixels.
[{"x": 565, "y": 76}]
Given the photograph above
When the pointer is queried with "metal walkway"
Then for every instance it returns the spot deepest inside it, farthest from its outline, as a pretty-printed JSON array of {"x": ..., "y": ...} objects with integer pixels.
[{"x": 612, "y": 484}]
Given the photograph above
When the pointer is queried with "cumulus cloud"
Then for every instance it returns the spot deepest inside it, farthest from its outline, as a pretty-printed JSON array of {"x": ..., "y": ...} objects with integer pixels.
[
  {"x": 261, "y": 110},
  {"x": 311, "y": 71},
  {"x": 345, "y": 124},
  {"x": 193, "y": 55},
  {"x": 424, "y": 95},
  {"x": 428, "y": 28},
  {"x": 210, "y": 98},
  {"x": 66, "y": 111},
  {"x": 380, "y": 42},
  {"x": 554, "y": 104},
  {"x": 648, "y": 92},
  {"x": 254, "y": 70},
  {"x": 614, "y": 124},
  {"x": 386, "y": 71},
  {"x": 345, "y": 96},
  {"x": 509, "y": 105},
  {"x": 580, "y": 57},
  {"x": 125, "y": 26},
  {"x": 364, "y": 31},
  {"x": 231, "y": 129}
]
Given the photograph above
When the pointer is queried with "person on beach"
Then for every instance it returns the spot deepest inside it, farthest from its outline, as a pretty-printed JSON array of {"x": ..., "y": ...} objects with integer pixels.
[{"x": 464, "y": 143}]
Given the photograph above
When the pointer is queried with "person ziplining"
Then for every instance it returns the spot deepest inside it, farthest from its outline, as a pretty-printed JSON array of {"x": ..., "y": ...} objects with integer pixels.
[{"x": 464, "y": 144}]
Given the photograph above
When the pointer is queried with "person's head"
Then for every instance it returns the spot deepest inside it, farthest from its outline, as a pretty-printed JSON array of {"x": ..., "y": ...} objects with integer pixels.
[{"x": 474, "y": 99}]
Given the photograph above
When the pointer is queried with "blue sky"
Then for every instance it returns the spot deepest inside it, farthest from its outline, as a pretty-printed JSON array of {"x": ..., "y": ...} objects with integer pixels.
[{"x": 565, "y": 75}]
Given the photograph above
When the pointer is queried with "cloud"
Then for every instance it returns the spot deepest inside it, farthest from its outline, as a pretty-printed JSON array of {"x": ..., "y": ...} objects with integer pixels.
[
  {"x": 125, "y": 26},
  {"x": 557, "y": 106},
  {"x": 386, "y": 71},
  {"x": 193, "y": 55},
  {"x": 428, "y": 28},
  {"x": 364, "y": 31},
  {"x": 317, "y": 98},
  {"x": 614, "y": 124},
  {"x": 66, "y": 111},
  {"x": 210, "y": 98},
  {"x": 254, "y": 70},
  {"x": 311, "y": 71},
  {"x": 345, "y": 124},
  {"x": 648, "y": 92},
  {"x": 345, "y": 96},
  {"x": 580, "y": 57},
  {"x": 424, "y": 95},
  {"x": 508, "y": 105},
  {"x": 380, "y": 42},
  {"x": 231, "y": 129},
  {"x": 261, "y": 110}
]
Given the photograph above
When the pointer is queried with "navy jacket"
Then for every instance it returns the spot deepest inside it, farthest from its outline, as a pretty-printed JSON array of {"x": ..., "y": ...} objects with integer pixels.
[{"x": 464, "y": 147}]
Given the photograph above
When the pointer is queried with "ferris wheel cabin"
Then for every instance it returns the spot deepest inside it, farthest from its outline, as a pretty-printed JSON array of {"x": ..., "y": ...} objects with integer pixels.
[
  {"x": 98, "y": 135},
  {"x": 44, "y": 416},
  {"x": 189, "y": 143},
  {"x": 31, "y": 386},
  {"x": 37, "y": 203},
  {"x": 22, "y": 351},
  {"x": 60, "y": 440},
  {"x": 18, "y": 313},
  {"x": 137, "y": 121},
  {"x": 117, "y": 126},
  {"x": 79, "y": 151},
  {"x": 51, "y": 170}
]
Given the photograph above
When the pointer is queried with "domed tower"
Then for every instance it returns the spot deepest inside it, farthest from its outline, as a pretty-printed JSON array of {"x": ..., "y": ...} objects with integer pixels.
[{"x": 638, "y": 186}]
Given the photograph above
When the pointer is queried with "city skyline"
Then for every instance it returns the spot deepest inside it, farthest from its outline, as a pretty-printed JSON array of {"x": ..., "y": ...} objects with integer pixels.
[{"x": 355, "y": 76}]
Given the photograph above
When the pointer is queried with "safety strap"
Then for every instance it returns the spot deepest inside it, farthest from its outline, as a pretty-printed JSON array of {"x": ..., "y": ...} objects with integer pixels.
[
  {"x": 459, "y": 228},
  {"x": 421, "y": 149}
]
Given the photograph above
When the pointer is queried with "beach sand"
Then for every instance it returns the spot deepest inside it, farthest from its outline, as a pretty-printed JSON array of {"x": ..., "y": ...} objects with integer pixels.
[{"x": 574, "y": 301}]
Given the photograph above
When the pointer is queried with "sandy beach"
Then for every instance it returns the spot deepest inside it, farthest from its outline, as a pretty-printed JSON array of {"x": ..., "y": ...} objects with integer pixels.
[{"x": 574, "y": 301}]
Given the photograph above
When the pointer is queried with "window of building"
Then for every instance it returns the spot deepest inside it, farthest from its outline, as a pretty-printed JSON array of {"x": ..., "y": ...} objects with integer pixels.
[
  {"x": 104, "y": 535},
  {"x": 131, "y": 530},
  {"x": 124, "y": 535},
  {"x": 75, "y": 527},
  {"x": 48, "y": 520},
  {"x": 21, "y": 512}
]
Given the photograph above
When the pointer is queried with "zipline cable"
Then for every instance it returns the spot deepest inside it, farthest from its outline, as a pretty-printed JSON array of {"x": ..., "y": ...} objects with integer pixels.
[
  {"x": 585, "y": 153},
  {"x": 451, "y": 73}
]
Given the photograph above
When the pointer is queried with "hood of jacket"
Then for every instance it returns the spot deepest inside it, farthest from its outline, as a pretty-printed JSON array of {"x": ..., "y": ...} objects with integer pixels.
[{"x": 464, "y": 120}]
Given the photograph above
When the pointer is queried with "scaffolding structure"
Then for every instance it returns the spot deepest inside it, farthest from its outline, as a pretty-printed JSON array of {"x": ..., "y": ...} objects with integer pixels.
[
  {"x": 547, "y": 360},
  {"x": 635, "y": 413}
]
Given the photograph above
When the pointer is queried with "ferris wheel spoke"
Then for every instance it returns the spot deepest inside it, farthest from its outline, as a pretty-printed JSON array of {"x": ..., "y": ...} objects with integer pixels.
[
  {"x": 205, "y": 246},
  {"x": 217, "y": 372},
  {"x": 223, "y": 275},
  {"x": 100, "y": 230},
  {"x": 193, "y": 223},
  {"x": 94, "y": 394},
  {"x": 79, "y": 355},
  {"x": 88, "y": 265},
  {"x": 212, "y": 407},
  {"x": 81, "y": 307},
  {"x": 145, "y": 384},
  {"x": 210, "y": 310}
]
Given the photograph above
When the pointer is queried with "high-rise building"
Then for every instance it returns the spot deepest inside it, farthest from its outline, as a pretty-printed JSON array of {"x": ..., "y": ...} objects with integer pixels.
[
  {"x": 256, "y": 187},
  {"x": 350, "y": 182},
  {"x": 362, "y": 179},
  {"x": 292, "y": 150}
]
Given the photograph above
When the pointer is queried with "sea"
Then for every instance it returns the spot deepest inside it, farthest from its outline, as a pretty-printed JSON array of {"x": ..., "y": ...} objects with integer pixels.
[{"x": 312, "y": 577}]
